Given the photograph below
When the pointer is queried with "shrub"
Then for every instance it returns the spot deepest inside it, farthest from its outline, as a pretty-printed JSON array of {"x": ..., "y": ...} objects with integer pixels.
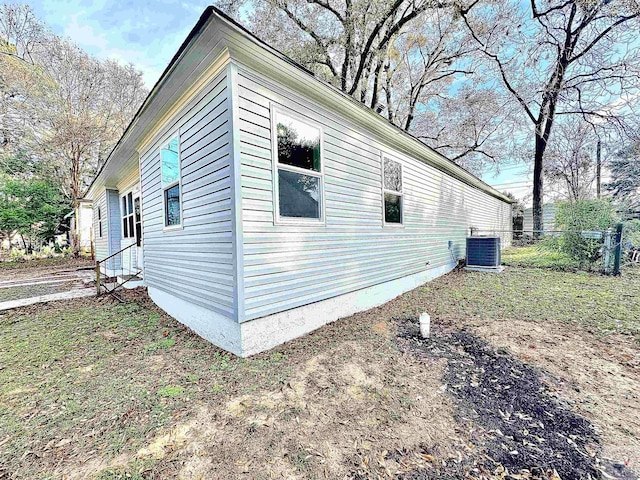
[
  {"x": 18, "y": 255},
  {"x": 573, "y": 218},
  {"x": 46, "y": 252},
  {"x": 631, "y": 233}
]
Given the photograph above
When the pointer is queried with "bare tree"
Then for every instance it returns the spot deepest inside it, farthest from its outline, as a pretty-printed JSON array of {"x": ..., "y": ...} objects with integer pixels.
[
  {"x": 556, "y": 58},
  {"x": 21, "y": 33},
  {"x": 347, "y": 43},
  {"x": 20, "y": 28},
  {"x": 399, "y": 57},
  {"x": 468, "y": 127},
  {"x": 419, "y": 65},
  {"x": 61, "y": 108},
  {"x": 569, "y": 164}
]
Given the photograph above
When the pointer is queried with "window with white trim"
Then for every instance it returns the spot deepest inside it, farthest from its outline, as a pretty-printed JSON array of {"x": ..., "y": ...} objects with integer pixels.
[
  {"x": 99, "y": 222},
  {"x": 298, "y": 169},
  {"x": 392, "y": 191},
  {"x": 128, "y": 230},
  {"x": 170, "y": 170}
]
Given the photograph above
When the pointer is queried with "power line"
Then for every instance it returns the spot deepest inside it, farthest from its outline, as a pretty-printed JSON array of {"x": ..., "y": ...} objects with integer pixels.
[
  {"x": 512, "y": 167},
  {"x": 506, "y": 184}
]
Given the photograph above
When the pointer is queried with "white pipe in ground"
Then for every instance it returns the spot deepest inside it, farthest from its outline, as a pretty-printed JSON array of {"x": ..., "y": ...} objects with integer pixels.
[{"x": 425, "y": 325}]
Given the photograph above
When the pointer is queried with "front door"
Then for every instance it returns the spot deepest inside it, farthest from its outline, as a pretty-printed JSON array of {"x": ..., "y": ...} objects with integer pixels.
[
  {"x": 131, "y": 232},
  {"x": 138, "y": 230}
]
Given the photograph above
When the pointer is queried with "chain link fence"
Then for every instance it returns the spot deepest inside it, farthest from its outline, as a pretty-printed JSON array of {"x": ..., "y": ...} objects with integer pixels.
[{"x": 597, "y": 251}]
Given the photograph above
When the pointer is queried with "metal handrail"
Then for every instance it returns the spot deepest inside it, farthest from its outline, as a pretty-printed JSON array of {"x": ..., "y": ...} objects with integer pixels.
[
  {"x": 100, "y": 263},
  {"x": 118, "y": 252}
]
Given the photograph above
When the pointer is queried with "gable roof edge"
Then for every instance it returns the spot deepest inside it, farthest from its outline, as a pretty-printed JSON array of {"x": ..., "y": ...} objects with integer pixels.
[{"x": 428, "y": 154}]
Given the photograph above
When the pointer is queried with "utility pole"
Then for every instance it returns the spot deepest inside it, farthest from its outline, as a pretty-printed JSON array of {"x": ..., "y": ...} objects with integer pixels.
[{"x": 598, "y": 169}]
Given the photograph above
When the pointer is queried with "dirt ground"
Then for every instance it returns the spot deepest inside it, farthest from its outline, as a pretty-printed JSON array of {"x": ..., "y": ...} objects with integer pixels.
[
  {"x": 12, "y": 270},
  {"x": 599, "y": 375},
  {"x": 95, "y": 389}
]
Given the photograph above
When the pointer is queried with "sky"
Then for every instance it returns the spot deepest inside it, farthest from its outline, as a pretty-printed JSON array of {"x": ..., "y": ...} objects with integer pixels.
[
  {"x": 513, "y": 178},
  {"x": 144, "y": 33},
  {"x": 148, "y": 33}
]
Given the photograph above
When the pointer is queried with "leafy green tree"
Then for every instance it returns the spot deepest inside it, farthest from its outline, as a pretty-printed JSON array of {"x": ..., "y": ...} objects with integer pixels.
[{"x": 31, "y": 208}]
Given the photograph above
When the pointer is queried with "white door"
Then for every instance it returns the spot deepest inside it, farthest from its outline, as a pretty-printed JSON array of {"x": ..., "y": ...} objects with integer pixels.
[
  {"x": 138, "y": 230},
  {"x": 131, "y": 233}
]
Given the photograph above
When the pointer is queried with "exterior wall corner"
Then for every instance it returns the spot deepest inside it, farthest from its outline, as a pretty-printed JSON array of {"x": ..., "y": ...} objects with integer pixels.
[{"x": 236, "y": 193}]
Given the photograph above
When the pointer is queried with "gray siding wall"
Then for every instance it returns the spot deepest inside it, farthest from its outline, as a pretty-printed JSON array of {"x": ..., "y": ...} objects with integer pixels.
[
  {"x": 110, "y": 241},
  {"x": 101, "y": 243},
  {"x": 548, "y": 218},
  {"x": 194, "y": 263},
  {"x": 286, "y": 266},
  {"x": 115, "y": 229}
]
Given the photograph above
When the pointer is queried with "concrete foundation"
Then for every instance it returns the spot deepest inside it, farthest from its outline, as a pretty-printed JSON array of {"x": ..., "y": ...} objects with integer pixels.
[
  {"x": 255, "y": 336},
  {"x": 473, "y": 268},
  {"x": 212, "y": 326}
]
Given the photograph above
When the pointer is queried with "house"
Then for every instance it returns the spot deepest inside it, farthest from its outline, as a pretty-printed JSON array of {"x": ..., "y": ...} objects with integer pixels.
[
  {"x": 261, "y": 203},
  {"x": 82, "y": 227},
  {"x": 548, "y": 219}
]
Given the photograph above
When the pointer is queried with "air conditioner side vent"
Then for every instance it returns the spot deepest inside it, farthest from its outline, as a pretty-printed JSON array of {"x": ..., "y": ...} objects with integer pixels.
[{"x": 483, "y": 252}]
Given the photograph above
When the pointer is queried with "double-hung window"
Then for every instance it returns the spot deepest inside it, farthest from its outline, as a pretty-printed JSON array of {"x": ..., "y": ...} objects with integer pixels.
[
  {"x": 127, "y": 216},
  {"x": 392, "y": 191},
  {"x": 298, "y": 170},
  {"x": 170, "y": 166}
]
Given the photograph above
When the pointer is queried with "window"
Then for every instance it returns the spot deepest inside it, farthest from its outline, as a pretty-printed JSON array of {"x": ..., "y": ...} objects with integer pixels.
[
  {"x": 298, "y": 169},
  {"x": 170, "y": 166},
  {"x": 99, "y": 222},
  {"x": 127, "y": 216},
  {"x": 392, "y": 191}
]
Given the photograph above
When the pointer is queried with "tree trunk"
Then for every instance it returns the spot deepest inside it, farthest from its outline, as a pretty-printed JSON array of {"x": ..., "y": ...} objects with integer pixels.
[
  {"x": 538, "y": 224},
  {"x": 75, "y": 233}
]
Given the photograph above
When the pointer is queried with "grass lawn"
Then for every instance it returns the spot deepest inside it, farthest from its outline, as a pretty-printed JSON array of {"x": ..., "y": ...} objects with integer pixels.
[
  {"x": 91, "y": 388},
  {"x": 601, "y": 303},
  {"x": 538, "y": 256}
]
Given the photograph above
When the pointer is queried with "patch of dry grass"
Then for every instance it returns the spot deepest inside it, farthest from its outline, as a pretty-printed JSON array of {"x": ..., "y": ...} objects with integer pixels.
[
  {"x": 14, "y": 270},
  {"x": 95, "y": 389}
]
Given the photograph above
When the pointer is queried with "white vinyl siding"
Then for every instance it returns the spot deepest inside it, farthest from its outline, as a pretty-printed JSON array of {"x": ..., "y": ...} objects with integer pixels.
[
  {"x": 194, "y": 263},
  {"x": 286, "y": 266},
  {"x": 101, "y": 242}
]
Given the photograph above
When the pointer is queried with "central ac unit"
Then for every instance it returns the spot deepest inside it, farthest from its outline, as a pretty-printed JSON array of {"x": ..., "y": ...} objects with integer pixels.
[{"x": 483, "y": 252}]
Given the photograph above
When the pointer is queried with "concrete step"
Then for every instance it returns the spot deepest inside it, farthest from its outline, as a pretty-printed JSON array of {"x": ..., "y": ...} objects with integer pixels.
[{"x": 132, "y": 281}]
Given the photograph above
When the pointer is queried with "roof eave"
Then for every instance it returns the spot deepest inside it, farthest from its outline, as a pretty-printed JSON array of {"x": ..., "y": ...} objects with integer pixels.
[
  {"x": 412, "y": 144},
  {"x": 193, "y": 35},
  {"x": 434, "y": 158}
]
